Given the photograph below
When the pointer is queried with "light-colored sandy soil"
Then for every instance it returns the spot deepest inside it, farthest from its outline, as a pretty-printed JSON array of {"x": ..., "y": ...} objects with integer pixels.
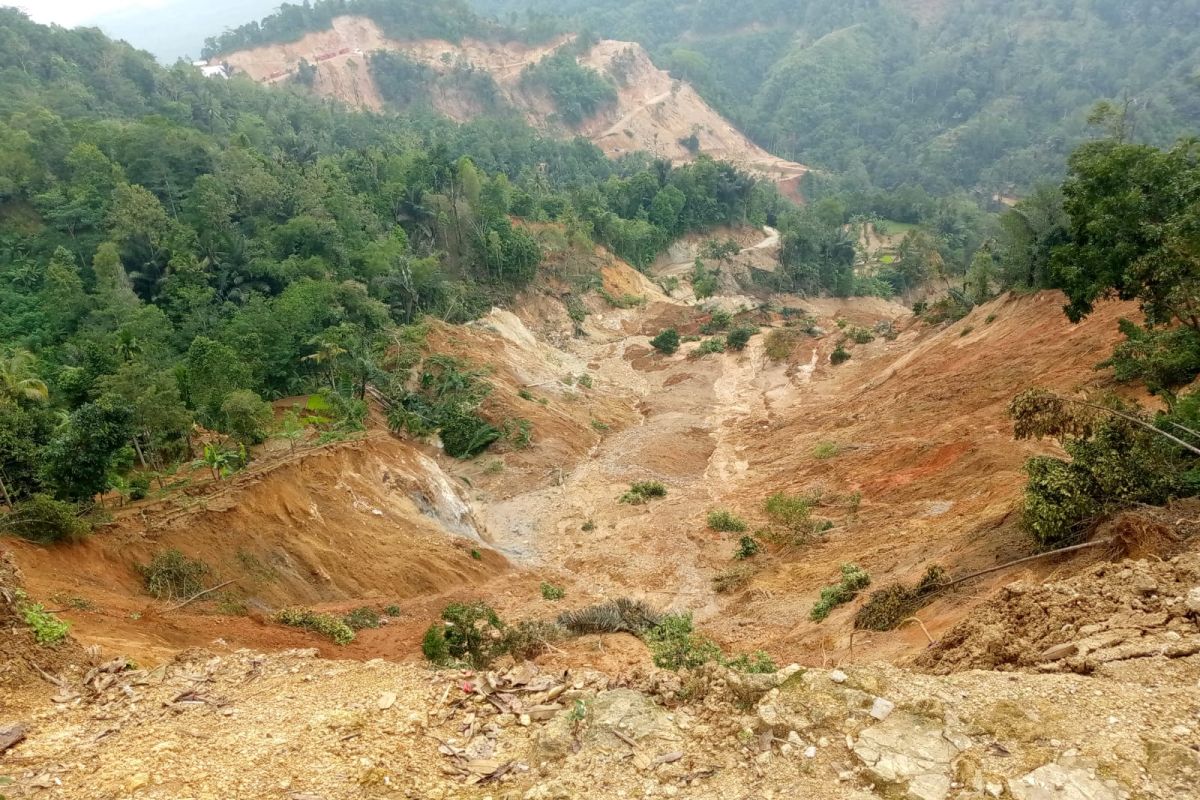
[{"x": 653, "y": 112}]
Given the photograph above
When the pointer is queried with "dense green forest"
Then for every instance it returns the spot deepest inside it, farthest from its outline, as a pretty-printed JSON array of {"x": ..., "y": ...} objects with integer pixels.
[
  {"x": 175, "y": 249},
  {"x": 977, "y": 95}
]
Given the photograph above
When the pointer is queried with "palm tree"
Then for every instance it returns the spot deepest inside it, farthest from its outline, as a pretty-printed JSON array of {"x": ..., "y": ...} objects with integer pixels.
[
  {"x": 18, "y": 380},
  {"x": 328, "y": 353}
]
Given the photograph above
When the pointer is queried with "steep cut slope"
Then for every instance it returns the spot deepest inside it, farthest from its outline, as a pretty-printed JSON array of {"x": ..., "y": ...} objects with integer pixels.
[{"x": 653, "y": 111}]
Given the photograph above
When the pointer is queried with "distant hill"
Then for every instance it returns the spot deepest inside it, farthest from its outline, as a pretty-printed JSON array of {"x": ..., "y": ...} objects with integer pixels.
[{"x": 178, "y": 28}]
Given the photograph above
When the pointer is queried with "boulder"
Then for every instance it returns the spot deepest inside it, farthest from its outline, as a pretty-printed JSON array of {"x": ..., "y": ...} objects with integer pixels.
[
  {"x": 915, "y": 754},
  {"x": 1056, "y": 782}
]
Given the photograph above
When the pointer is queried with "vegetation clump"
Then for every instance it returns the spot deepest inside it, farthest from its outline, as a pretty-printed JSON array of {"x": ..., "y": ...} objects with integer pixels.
[
  {"x": 739, "y": 337},
  {"x": 552, "y": 592},
  {"x": 171, "y": 575},
  {"x": 854, "y": 579},
  {"x": 840, "y": 355},
  {"x": 666, "y": 342},
  {"x": 748, "y": 547},
  {"x": 469, "y": 632},
  {"x": 709, "y": 346},
  {"x": 643, "y": 492},
  {"x": 725, "y": 521},
  {"x": 362, "y": 618},
  {"x": 888, "y": 607},
  {"x": 733, "y": 578},
  {"x": 327, "y": 625},
  {"x": 616, "y": 616},
  {"x": 47, "y": 628},
  {"x": 44, "y": 520}
]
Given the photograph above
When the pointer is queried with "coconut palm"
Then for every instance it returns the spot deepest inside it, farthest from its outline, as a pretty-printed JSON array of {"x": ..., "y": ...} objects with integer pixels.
[{"x": 18, "y": 381}]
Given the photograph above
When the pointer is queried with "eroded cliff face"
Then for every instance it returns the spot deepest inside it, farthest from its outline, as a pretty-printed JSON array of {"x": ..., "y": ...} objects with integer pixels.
[{"x": 653, "y": 112}]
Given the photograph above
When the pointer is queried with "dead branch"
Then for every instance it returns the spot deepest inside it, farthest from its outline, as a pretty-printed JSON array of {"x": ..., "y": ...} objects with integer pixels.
[{"x": 197, "y": 596}]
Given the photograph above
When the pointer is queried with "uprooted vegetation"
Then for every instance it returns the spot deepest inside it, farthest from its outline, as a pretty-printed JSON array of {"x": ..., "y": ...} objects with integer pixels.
[
  {"x": 473, "y": 634},
  {"x": 643, "y": 492}
]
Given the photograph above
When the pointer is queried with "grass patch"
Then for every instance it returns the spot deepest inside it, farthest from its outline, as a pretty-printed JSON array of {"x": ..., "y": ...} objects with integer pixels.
[
  {"x": 709, "y": 346},
  {"x": 361, "y": 618},
  {"x": 725, "y": 522},
  {"x": 552, "y": 592},
  {"x": 826, "y": 450}
]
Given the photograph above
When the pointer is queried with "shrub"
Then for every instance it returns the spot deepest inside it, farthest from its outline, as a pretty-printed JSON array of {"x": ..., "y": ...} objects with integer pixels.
[
  {"x": 725, "y": 521},
  {"x": 826, "y": 450},
  {"x": 584, "y": 380},
  {"x": 642, "y": 492},
  {"x": 748, "y": 547},
  {"x": 794, "y": 513},
  {"x": 732, "y": 579},
  {"x": 246, "y": 417},
  {"x": 552, "y": 592},
  {"x": 518, "y": 432},
  {"x": 840, "y": 355},
  {"x": 325, "y": 624},
  {"x": 530, "y": 638},
  {"x": 616, "y": 616},
  {"x": 674, "y": 644},
  {"x": 600, "y": 427},
  {"x": 465, "y": 434},
  {"x": 47, "y": 628},
  {"x": 392, "y": 610},
  {"x": 861, "y": 336},
  {"x": 780, "y": 343},
  {"x": 854, "y": 579},
  {"x": 361, "y": 618},
  {"x": 739, "y": 337},
  {"x": 139, "y": 487},
  {"x": 888, "y": 607},
  {"x": 759, "y": 663},
  {"x": 434, "y": 646},
  {"x": 473, "y": 633},
  {"x": 714, "y": 345},
  {"x": 171, "y": 575},
  {"x": 44, "y": 520},
  {"x": 588, "y": 526},
  {"x": 718, "y": 322},
  {"x": 666, "y": 342}
]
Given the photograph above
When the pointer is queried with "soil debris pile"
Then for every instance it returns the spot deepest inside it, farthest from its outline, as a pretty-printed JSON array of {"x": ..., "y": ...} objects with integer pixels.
[
  {"x": 292, "y": 725},
  {"x": 1109, "y": 613}
]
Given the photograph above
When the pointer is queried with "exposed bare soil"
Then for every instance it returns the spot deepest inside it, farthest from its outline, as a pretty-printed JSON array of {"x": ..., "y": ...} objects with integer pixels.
[
  {"x": 915, "y": 424},
  {"x": 653, "y": 112}
]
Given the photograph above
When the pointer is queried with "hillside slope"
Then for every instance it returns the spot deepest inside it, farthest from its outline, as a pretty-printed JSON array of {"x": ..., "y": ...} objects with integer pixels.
[{"x": 653, "y": 112}]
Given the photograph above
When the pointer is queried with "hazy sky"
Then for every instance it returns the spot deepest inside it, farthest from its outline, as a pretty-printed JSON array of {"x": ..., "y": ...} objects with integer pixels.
[{"x": 76, "y": 12}]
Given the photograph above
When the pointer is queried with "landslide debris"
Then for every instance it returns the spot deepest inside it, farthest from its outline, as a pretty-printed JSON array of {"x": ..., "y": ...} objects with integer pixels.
[
  {"x": 291, "y": 725},
  {"x": 1110, "y": 612}
]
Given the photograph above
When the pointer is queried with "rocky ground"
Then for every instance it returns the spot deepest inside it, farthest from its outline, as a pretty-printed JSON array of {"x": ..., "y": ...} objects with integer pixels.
[{"x": 291, "y": 725}]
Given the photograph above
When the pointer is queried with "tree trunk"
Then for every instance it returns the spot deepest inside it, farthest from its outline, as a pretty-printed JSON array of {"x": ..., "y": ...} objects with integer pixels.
[
  {"x": 4, "y": 491},
  {"x": 137, "y": 447}
]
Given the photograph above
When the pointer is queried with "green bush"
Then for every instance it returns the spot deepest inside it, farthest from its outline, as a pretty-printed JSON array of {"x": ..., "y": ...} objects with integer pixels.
[
  {"x": 861, "y": 336},
  {"x": 44, "y": 520},
  {"x": 642, "y": 492},
  {"x": 840, "y": 355},
  {"x": 325, "y": 624},
  {"x": 139, "y": 487},
  {"x": 739, "y": 337},
  {"x": 465, "y": 434},
  {"x": 725, "y": 521},
  {"x": 794, "y": 514},
  {"x": 246, "y": 417},
  {"x": 780, "y": 343},
  {"x": 47, "y": 628},
  {"x": 552, "y": 592},
  {"x": 666, "y": 342},
  {"x": 748, "y": 547},
  {"x": 719, "y": 321},
  {"x": 709, "y": 346},
  {"x": 854, "y": 579},
  {"x": 472, "y": 633},
  {"x": 361, "y": 618},
  {"x": 171, "y": 575},
  {"x": 674, "y": 644},
  {"x": 759, "y": 663},
  {"x": 434, "y": 645}
]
